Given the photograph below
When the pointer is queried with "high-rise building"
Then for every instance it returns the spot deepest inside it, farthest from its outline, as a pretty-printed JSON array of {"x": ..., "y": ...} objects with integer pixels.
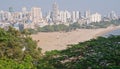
[
  {"x": 68, "y": 16},
  {"x": 5, "y": 16},
  {"x": 25, "y": 15},
  {"x": 112, "y": 15},
  {"x": 63, "y": 16},
  {"x": 48, "y": 17},
  {"x": 36, "y": 14},
  {"x": 76, "y": 16},
  {"x": 87, "y": 14},
  {"x": 55, "y": 13},
  {"x": 95, "y": 17}
]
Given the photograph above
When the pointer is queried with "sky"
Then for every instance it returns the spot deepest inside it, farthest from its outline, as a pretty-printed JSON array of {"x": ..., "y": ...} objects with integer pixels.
[{"x": 100, "y": 6}]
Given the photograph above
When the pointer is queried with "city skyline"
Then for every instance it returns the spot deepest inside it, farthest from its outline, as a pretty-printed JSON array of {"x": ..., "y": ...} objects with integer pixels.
[
  {"x": 36, "y": 17},
  {"x": 102, "y": 7}
]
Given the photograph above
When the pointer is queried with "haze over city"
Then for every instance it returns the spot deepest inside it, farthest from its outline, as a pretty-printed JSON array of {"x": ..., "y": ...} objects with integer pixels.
[{"x": 101, "y": 6}]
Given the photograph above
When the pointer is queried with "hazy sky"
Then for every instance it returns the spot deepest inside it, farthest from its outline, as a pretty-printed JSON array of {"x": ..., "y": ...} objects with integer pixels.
[{"x": 101, "y": 6}]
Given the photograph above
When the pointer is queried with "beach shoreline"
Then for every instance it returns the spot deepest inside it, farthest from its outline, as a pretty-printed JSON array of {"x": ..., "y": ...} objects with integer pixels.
[
  {"x": 59, "y": 40},
  {"x": 108, "y": 29}
]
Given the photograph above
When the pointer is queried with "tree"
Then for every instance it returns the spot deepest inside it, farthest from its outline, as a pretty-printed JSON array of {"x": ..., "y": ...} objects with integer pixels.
[
  {"x": 100, "y": 53},
  {"x": 17, "y": 50}
]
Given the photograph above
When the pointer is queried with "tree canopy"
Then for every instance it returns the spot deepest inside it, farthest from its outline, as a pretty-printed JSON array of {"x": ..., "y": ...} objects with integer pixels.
[
  {"x": 17, "y": 50},
  {"x": 100, "y": 53}
]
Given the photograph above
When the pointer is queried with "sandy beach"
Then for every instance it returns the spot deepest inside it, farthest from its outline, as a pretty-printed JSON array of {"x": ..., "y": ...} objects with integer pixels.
[{"x": 59, "y": 40}]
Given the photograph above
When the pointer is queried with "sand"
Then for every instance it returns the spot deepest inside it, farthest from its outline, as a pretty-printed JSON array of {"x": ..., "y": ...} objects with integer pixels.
[{"x": 59, "y": 40}]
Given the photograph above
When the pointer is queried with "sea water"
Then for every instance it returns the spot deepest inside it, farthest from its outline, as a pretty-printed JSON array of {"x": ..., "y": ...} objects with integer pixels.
[{"x": 114, "y": 32}]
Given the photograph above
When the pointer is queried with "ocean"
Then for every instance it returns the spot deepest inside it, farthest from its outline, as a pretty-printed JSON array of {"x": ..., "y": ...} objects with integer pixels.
[{"x": 114, "y": 32}]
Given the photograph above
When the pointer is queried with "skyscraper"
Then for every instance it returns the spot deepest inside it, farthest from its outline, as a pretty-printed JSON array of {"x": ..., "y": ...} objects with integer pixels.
[
  {"x": 87, "y": 14},
  {"x": 55, "y": 13},
  {"x": 36, "y": 14},
  {"x": 112, "y": 15},
  {"x": 95, "y": 17},
  {"x": 76, "y": 16},
  {"x": 63, "y": 16}
]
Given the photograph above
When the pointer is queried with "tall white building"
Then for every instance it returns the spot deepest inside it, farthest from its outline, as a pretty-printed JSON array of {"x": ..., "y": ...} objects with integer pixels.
[
  {"x": 63, "y": 16},
  {"x": 2, "y": 16},
  {"x": 36, "y": 14},
  {"x": 112, "y": 15},
  {"x": 25, "y": 15},
  {"x": 5, "y": 16},
  {"x": 75, "y": 16},
  {"x": 48, "y": 17},
  {"x": 55, "y": 12},
  {"x": 78, "y": 15},
  {"x": 95, "y": 17},
  {"x": 87, "y": 14},
  {"x": 68, "y": 14}
]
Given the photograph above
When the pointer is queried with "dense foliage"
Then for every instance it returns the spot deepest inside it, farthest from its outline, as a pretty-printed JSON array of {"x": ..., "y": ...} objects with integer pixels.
[
  {"x": 100, "y": 53},
  {"x": 60, "y": 27},
  {"x": 53, "y": 28},
  {"x": 17, "y": 50}
]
